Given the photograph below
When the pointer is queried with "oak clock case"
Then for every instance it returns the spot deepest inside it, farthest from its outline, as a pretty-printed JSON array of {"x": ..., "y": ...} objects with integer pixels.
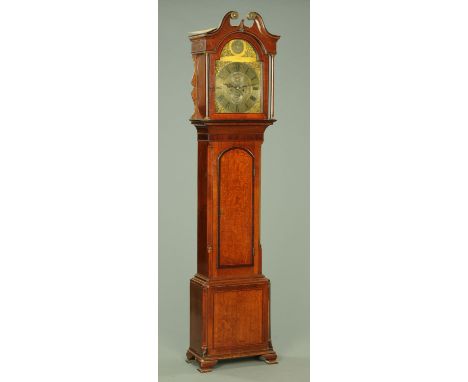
[{"x": 233, "y": 105}]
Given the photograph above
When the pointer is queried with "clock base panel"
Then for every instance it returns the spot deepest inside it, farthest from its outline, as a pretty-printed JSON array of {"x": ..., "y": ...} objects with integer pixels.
[{"x": 229, "y": 318}]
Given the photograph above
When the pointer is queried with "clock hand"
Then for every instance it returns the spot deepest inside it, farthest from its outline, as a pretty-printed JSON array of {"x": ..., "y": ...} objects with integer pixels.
[{"x": 237, "y": 87}]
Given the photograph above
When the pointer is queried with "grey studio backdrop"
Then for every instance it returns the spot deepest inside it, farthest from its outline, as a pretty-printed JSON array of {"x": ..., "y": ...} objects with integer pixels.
[{"x": 285, "y": 189}]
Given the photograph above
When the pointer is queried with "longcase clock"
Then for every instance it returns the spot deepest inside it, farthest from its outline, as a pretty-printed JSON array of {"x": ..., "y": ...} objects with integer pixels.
[{"x": 233, "y": 98}]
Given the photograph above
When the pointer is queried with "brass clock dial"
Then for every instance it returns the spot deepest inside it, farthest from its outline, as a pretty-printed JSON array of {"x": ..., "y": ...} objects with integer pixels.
[
  {"x": 237, "y": 88},
  {"x": 238, "y": 79}
]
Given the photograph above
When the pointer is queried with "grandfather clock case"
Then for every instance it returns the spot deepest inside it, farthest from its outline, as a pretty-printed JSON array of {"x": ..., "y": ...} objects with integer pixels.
[{"x": 233, "y": 97}]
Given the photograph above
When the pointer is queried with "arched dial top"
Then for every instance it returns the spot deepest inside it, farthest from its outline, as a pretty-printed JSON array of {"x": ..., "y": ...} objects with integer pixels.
[{"x": 238, "y": 87}]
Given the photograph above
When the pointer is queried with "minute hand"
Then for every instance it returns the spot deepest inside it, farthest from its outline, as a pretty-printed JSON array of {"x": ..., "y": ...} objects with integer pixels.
[{"x": 237, "y": 86}]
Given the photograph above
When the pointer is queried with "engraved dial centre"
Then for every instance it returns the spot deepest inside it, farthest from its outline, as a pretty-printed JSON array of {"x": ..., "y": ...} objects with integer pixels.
[{"x": 237, "y": 87}]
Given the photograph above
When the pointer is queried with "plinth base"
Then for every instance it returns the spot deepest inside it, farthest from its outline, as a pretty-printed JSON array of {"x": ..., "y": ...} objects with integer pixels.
[{"x": 207, "y": 363}]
